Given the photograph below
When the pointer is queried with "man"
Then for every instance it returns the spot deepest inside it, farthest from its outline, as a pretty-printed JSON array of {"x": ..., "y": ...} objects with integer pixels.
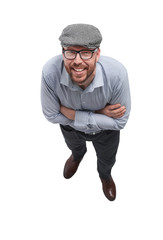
[{"x": 89, "y": 96}]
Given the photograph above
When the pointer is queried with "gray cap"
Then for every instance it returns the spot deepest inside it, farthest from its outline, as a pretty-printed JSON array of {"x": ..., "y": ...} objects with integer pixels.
[{"x": 81, "y": 35}]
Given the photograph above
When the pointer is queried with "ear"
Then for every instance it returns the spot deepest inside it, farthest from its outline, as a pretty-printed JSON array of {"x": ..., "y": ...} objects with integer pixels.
[{"x": 98, "y": 54}]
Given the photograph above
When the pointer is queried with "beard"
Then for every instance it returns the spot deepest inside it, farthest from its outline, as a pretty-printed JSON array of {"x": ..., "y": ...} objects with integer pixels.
[{"x": 85, "y": 77}]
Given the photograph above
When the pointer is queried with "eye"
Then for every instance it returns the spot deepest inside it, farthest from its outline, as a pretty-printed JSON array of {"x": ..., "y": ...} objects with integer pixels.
[
  {"x": 86, "y": 53},
  {"x": 70, "y": 54}
]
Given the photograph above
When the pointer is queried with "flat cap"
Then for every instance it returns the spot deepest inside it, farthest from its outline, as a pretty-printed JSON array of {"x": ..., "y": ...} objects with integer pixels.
[{"x": 81, "y": 35}]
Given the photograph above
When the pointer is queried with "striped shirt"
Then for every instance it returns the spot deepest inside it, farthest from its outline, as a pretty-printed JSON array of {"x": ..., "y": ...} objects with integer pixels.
[{"x": 110, "y": 86}]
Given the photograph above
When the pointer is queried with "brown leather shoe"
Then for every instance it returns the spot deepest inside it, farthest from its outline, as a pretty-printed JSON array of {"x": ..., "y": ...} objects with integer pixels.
[
  {"x": 109, "y": 188},
  {"x": 71, "y": 167}
]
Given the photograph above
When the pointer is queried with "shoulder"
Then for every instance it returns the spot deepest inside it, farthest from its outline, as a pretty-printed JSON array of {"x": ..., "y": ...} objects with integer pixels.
[
  {"x": 112, "y": 66},
  {"x": 53, "y": 66},
  {"x": 114, "y": 72}
]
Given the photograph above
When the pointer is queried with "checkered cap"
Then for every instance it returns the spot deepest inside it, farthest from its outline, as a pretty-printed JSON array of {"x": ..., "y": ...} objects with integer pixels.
[{"x": 81, "y": 35}]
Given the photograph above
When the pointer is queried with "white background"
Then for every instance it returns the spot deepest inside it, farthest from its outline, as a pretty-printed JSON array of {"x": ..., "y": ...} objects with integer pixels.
[{"x": 36, "y": 202}]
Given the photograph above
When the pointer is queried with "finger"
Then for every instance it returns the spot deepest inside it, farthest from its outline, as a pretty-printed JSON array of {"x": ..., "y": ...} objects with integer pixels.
[
  {"x": 115, "y": 106},
  {"x": 119, "y": 110},
  {"x": 119, "y": 114}
]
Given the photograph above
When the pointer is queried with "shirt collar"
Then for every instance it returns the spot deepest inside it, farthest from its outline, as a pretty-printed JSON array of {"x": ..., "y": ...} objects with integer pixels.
[{"x": 97, "y": 81}]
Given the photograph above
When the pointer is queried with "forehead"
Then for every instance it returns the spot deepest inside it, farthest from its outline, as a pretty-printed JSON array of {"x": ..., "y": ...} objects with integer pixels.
[{"x": 77, "y": 48}]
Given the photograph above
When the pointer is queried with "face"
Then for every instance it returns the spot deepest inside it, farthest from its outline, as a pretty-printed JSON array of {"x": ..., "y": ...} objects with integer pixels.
[{"x": 82, "y": 72}]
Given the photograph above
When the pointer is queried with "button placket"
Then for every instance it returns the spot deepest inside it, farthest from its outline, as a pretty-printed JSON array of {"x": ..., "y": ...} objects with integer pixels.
[{"x": 83, "y": 101}]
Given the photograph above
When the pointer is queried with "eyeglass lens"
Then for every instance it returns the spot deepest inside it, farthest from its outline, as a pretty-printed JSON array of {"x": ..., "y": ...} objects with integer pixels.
[{"x": 83, "y": 54}]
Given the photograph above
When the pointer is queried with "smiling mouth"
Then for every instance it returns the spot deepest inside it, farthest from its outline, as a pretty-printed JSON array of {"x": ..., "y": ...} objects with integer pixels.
[{"x": 78, "y": 69}]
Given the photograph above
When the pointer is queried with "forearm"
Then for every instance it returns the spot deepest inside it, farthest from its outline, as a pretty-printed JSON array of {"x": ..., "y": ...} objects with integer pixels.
[
  {"x": 113, "y": 111},
  {"x": 100, "y": 120},
  {"x": 92, "y": 122},
  {"x": 67, "y": 112}
]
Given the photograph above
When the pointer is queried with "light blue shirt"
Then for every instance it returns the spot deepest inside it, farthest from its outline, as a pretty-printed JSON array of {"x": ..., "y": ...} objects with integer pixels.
[{"x": 110, "y": 86}]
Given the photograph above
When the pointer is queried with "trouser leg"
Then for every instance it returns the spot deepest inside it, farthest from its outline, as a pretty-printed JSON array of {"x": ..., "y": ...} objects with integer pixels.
[
  {"x": 75, "y": 142},
  {"x": 106, "y": 146}
]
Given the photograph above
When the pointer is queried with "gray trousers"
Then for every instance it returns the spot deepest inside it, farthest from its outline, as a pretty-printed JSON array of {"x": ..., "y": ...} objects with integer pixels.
[{"x": 105, "y": 144}]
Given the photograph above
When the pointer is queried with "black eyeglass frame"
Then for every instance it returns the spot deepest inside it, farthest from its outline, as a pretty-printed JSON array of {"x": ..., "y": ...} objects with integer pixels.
[{"x": 76, "y": 52}]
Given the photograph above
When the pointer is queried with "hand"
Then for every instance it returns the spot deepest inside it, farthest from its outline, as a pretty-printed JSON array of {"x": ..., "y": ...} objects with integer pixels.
[{"x": 113, "y": 111}]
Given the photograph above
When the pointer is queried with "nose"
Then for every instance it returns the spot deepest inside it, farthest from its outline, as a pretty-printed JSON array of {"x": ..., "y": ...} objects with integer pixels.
[{"x": 78, "y": 59}]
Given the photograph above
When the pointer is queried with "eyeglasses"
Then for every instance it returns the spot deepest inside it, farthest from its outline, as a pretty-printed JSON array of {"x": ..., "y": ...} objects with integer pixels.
[{"x": 84, "y": 54}]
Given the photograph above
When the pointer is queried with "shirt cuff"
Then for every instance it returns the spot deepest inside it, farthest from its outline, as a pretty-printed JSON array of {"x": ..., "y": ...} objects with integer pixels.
[{"x": 85, "y": 122}]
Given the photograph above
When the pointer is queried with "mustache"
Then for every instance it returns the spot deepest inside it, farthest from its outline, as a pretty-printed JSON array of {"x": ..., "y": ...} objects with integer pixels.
[{"x": 80, "y": 64}]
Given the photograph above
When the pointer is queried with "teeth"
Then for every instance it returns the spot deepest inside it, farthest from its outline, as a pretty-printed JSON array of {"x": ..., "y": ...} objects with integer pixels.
[{"x": 78, "y": 70}]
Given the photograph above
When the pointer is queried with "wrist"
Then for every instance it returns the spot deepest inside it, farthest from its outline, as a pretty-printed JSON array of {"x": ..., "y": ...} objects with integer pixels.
[{"x": 100, "y": 111}]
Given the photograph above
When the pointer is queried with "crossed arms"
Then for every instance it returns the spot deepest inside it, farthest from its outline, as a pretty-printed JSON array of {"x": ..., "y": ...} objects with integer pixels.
[
  {"x": 111, "y": 117},
  {"x": 113, "y": 111}
]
